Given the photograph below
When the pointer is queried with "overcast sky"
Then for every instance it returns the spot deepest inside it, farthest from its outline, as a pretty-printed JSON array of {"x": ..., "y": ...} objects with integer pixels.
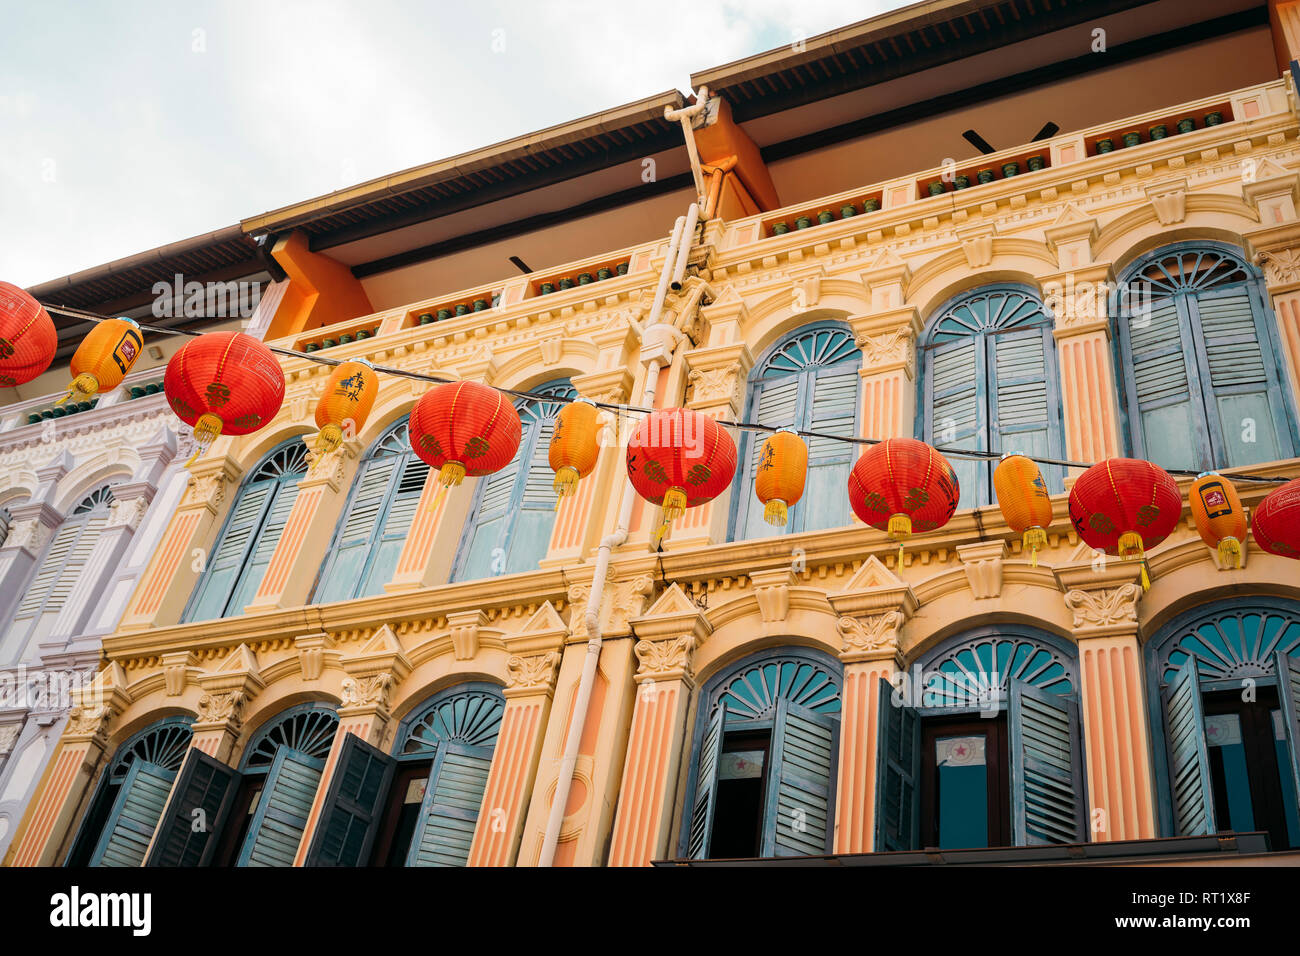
[{"x": 129, "y": 125}]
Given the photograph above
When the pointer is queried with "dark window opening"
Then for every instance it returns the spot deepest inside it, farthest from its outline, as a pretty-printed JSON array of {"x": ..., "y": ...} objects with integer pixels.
[
  {"x": 93, "y": 827},
  {"x": 241, "y": 816},
  {"x": 1248, "y": 759},
  {"x": 965, "y": 792},
  {"x": 401, "y": 814},
  {"x": 742, "y": 778}
]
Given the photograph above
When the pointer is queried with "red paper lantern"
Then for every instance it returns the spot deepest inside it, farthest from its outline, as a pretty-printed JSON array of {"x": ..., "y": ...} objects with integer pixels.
[
  {"x": 903, "y": 485},
  {"x": 1122, "y": 506},
  {"x": 1276, "y": 522},
  {"x": 678, "y": 459},
  {"x": 27, "y": 337},
  {"x": 464, "y": 428},
  {"x": 223, "y": 383}
]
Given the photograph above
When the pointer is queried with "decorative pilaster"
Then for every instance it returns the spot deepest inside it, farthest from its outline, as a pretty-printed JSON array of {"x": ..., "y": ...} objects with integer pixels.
[
  {"x": 308, "y": 529},
  {"x": 1077, "y": 297},
  {"x": 717, "y": 376},
  {"x": 530, "y": 684},
  {"x": 872, "y": 611},
  {"x": 1117, "y": 740},
  {"x": 669, "y": 633},
  {"x": 887, "y": 336},
  {"x": 227, "y": 689},
  {"x": 48, "y": 822},
  {"x": 1275, "y": 192}
]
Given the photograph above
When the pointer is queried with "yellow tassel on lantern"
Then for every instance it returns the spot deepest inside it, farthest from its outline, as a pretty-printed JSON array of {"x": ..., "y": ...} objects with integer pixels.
[
  {"x": 1130, "y": 548},
  {"x": 206, "y": 430},
  {"x": 780, "y": 475},
  {"x": 345, "y": 403},
  {"x": 104, "y": 358},
  {"x": 575, "y": 446},
  {"x": 1220, "y": 518},
  {"x": 674, "y": 506},
  {"x": 900, "y": 529},
  {"x": 1026, "y": 506}
]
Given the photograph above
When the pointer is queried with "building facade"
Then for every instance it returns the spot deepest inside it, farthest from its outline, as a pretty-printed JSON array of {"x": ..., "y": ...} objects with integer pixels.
[{"x": 328, "y": 663}]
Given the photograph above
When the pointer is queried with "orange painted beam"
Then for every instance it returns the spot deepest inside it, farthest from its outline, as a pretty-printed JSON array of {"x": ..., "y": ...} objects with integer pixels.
[
  {"x": 321, "y": 291},
  {"x": 724, "y": 139}
]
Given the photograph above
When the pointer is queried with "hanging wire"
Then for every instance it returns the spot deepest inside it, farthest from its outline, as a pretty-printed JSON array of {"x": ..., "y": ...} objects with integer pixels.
[{"x": 621, "y": 409}]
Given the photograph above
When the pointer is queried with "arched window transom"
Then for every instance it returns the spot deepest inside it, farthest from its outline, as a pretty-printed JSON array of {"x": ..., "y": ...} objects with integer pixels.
[
  {"x": 307, "y": 729},
  {"x": 469, "y": 717},
  {"x": 971, "y": 670}
]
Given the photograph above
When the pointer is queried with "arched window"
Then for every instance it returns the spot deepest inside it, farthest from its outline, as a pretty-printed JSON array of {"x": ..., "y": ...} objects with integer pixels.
[
  {"x": 989, "y": 383},
  {"x": 809, "y": 381},
  {"x": 248, "y": 538},
  {"x": 59, "y": 570},
  {"x": 980, "y": 745},
  {"x": 1225, "y": 684},
  {"x": 370, "y": 534},
  {"x": 1199, "y": 361},
  {"x": 763, "y": 764},
  {"x": 418, "y": 807},
  {"x": 509, "y": 526},
  {"x": 130, "y": 797}
]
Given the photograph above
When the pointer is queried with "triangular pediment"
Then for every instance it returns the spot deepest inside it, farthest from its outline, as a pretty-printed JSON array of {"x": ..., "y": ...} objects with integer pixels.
[
  {"x": 1071, "y": 215},
  {"x": 873, "y": 575},
  {"x": 545, "y": 620},
  {"x": 671, "y": 603},
  {"x": 241, "y": 660},
  {"x": 383, "y": 641}
]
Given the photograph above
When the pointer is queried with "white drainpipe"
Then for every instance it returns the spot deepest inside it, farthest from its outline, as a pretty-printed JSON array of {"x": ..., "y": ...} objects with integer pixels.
[
  {"x": 658, "y": 343},
  {"x": 684, "y": 250},
  {"x": 685, "y": 115}
]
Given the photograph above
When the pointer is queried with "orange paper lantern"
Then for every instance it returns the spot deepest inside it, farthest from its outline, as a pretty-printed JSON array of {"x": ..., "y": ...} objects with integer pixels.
[
  {"x": 1025, "y": 503},
  {"x": 780, "y": 475},
  {"x": 901, "y": 485},
  {"x": 345, "y": 403},
  {"x": 104, "y": 358},
  {"x": 1220, "y": 518},
  {"x": 678, "y": 458},
  {"x": 1122, "y": 506},
  {"x": 1276, "y": 521},
  {"x": 575, "y": 445},
  {"x": 27, "y": 337},
  {"x": 223, "y": 383},
  {"x": 464, "y": 428}
]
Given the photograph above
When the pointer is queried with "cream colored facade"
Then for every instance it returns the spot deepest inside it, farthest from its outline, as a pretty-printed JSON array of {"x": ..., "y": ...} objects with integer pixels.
[{"x": 674, "y": 620}]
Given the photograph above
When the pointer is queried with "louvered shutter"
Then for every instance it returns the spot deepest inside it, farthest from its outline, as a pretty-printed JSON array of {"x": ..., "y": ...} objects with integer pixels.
[
  {"x": 1022, "y": 410},
  {"x": 135, "y": 814},
  {"x": 350, "y": 814},
  {"x": 958, "y": 417},
  {"x": 798, "y": 811},
  {"x": 1047, "y": 803},
  {"x": 1288, "y": 692},
  {"x": 1241, "y": 378},
  {"x": 277, "y": 827},
  {"x": 706, "y": 787},
  {"x": 487, "y": 523},
  {"x": 898, "y": 767},
  {"x": 268, "y": 537},
  {"x": 353, "y": 543},
  {"x": 1189, "y": 759},
  {"x": 227, "y": 558},
  {"x": 530, "y": 536},
  {"x": 403, "y": 503},
  {"x": 38, "y": 591},
  {"x": 833, "y": 410},
  {"x": 1162, "y": 387},
  {"x": 453, "y": 798},
  {"x": 187, "y": 837},
  {"x": 776, "y": 403}
]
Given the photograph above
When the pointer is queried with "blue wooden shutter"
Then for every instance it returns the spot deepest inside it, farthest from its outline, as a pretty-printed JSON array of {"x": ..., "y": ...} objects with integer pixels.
[
  {"x": 706, "y": 787},
  {"x": 134, "y": 817},
  {"x": 898, "y": 768},
  {"x": 351, "y": 811},
  {"x": 799, "y": 807},
  {"x": 187, "y": 839},
  {"x": 775, "y": 403},
  {"x": 403, "y": 502},
  {"x": 534, "y": 515},
  {"x": 487, "y": 523},
  {"x": 268, "y": 536},
  {"x": 1242, "y": 383},
  {"x": 353, "y": 544},
  {"x": 958, "y": 416},
  {"x": 227, "y": 559},
  {"x": 1166, "y": 412},
  {"x": 453, "y": 798},
  {"x": 1189, "y": 760},
  {"x": 833, "y": 410},
  {"x": 1288, "y": 692},
  {"x": 1022, "y": 410},
  {"x": 1047, "y": 803},
  {"x": 282, "y": 810}
]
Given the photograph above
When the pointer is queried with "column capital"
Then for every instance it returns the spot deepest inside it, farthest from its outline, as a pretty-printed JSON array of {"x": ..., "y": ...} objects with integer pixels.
[
  {"x": 1078, "y": 299},
  {"x": 96, "y": 706},
  {"x": 872, "y": 611},
  {"x": 666, "y": 659},
  {"x": 1102, "y": 599},
  {"x": 329, "y": 469},
  {"x": 131, "y": 500},
  {"x": 227, "y": 689},
  {"x": 208, "y": 481},
  {"x": 532, "y": 675},
  {"x": 612, "y": 386},
  {"x": 669, "y": 632},
  {"x": 717, "y": 374}
]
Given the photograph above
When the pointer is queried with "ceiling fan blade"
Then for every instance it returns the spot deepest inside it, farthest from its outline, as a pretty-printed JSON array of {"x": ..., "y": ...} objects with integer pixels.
[
  {"x": 1048, "y": 131},
  {"x": 520, "y": 265},
  {"x": 978, "y": 141}
]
